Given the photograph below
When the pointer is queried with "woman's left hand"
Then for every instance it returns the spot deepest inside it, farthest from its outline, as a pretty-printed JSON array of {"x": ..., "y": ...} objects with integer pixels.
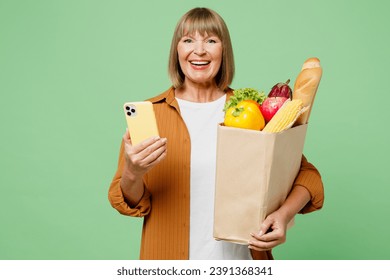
[{"x": 272, "y": 232}]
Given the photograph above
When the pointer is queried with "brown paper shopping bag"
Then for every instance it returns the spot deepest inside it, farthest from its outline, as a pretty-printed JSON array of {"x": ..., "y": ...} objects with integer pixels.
[{"x": 255, "y": 172}]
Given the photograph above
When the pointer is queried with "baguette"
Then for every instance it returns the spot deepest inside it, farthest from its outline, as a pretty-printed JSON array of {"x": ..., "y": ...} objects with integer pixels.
[{"x": 306, "y": 85}]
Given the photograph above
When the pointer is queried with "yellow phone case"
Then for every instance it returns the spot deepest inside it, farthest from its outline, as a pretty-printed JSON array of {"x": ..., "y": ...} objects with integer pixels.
[{"x": 141, "y": 121}]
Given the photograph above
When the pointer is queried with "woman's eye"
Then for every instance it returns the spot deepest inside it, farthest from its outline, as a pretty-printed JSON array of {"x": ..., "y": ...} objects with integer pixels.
[
  {"x": 211, "y": 41},
  {"x": 187, "y": 40}
]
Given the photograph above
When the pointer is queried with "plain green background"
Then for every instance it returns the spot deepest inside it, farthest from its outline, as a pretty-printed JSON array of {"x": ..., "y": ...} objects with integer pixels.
[{"x": 66, "y": 67}]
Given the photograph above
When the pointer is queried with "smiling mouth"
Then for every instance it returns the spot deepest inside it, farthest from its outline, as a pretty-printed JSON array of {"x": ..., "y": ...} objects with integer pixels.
[{"x": 200, "y": 63}]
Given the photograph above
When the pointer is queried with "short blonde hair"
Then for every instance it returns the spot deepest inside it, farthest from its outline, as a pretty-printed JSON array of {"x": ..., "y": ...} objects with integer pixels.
[{"x": 202, "y": 20}]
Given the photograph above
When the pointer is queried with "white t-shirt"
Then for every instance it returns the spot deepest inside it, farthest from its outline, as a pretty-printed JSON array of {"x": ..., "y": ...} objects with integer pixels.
[{"x": 202, "y": 120}]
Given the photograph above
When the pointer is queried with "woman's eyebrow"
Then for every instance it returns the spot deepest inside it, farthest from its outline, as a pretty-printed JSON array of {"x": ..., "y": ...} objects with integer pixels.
[{"x": 206, "y": 35}]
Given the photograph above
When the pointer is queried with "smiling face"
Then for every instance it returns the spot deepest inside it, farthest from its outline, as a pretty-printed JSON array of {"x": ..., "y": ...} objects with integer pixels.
[
  {"x": 198, "y": 24},
  {"x": 200, "y": 57}
]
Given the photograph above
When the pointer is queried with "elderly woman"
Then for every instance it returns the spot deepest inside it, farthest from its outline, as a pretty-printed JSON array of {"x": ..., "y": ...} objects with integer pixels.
[{"x": 170, "y": 180}]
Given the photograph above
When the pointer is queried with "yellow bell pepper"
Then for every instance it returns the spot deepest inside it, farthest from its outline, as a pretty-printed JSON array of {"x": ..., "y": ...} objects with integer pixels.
[{"x": 246, "y": 114}]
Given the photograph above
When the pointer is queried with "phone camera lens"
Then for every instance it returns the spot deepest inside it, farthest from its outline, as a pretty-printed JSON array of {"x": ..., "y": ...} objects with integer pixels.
[
  {"x": 127, "y": 108},
  {"x": 133, "y": 110},
  {"x": 129, "y": 113}
]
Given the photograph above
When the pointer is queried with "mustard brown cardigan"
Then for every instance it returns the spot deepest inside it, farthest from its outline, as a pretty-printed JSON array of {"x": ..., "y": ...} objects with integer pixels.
[{"x": 165, "y": 204}]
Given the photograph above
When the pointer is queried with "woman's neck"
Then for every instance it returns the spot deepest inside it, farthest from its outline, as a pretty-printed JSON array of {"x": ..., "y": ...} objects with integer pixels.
[{"x": 199, "y": 93}]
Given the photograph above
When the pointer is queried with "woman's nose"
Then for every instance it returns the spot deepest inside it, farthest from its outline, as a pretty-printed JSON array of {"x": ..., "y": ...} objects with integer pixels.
[{"x": 199, "y": 48}]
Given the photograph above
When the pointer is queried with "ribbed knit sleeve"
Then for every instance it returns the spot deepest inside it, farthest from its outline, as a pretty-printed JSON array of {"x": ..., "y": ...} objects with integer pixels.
[
  {"x": 310, "y": 178},
  {"x": 117, "y": 199}
]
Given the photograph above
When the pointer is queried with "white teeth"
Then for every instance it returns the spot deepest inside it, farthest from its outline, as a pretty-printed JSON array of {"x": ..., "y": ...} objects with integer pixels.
[{"x": 200, "y": 62}]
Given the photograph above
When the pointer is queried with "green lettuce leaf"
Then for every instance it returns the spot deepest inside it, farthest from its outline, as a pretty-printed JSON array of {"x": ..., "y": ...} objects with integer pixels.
[{"x": 245, "y": 94}]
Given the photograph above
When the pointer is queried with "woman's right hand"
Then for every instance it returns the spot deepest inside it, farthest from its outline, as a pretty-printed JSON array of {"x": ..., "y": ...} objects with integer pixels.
[
  {"x": 139, "y": 159},
  {"x": 142, "y": 157}
]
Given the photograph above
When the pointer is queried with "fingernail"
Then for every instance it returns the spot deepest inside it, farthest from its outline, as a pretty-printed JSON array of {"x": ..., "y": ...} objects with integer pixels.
[{"x": 260, "y": 233}]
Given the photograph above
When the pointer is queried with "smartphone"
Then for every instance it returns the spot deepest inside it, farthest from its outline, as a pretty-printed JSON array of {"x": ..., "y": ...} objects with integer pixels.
[{"x": 141, "y": 120}]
